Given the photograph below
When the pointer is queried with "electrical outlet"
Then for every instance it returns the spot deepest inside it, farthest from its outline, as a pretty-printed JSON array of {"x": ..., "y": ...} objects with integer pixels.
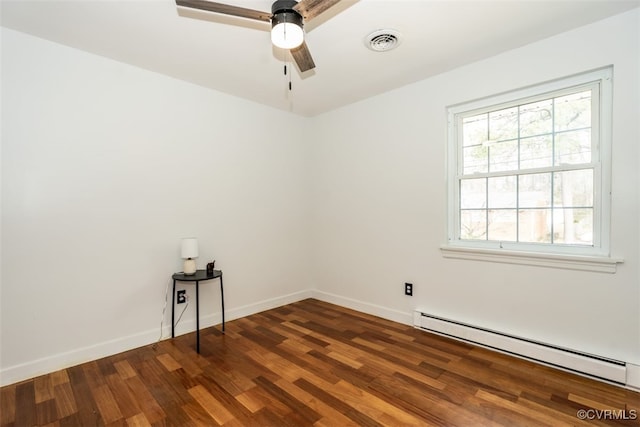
[
  {"x": 182, "y": 296},
  {"x": 408, "y": 289}
]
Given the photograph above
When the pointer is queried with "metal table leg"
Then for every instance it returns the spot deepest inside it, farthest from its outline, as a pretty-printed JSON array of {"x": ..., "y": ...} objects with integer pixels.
[
  {"x": 198, "y": 316},
  {"x": 173, "y": 309},
  {"x": 222, "y": 298}
]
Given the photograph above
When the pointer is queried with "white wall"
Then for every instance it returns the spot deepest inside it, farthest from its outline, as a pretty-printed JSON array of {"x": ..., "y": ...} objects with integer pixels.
[
  {"x": 379, "y": 203},
  {"x": 105, "y": 167}
]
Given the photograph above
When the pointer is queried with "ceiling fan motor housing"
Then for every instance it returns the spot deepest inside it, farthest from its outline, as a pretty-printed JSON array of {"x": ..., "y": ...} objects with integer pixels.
[
  {"x": 283, "y": 5},
  {"x": 283, "y": 11}
]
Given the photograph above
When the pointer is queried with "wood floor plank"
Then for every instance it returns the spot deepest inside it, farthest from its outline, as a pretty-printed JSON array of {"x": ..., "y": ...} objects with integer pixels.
[
  {"x": 46, "y": 412},
  {"x": 337, "y": 404},
  {"x": 125, "y": 370},
  {"x": 107, "y": 405},
  {"x": 344, "y": 359},
  {"x": 169, "y": 362},
  {"x": 329, "y": 414},
  {"x": 145, "y": 399},
  {"x": 597, "y": 402},
  {"x": 7, "y": 405},
  {"x": 558, "y": 412},
  {"x": 406, "y": 398},
  {"x": 25, "y": 404},
  {"x": 297, "y": 347},
  {"x": 271, "y": 404},
  {"x": 250, "y": 400},
  {"x": 125, "y": 399},
  {"x": 312, "y": 363},
  {"x": 282, "y": 395},
  {"x": 138, "y": 420},
  {"x": 211, "y": 405},
  {"x": 65, "y": 400},
  {"x": 377, "y": 407},
  {"x": 521, "y": 415},
  {"x": 197, "y": 415},
  {"x": 43, "y": 388}
]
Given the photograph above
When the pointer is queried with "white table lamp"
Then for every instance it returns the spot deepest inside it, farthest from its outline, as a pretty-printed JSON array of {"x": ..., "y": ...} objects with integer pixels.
[{"x": 189, "y": 252}]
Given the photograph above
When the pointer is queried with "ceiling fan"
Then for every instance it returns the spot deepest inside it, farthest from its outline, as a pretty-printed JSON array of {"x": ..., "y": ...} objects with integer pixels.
[{"x": 287, "y": 19}]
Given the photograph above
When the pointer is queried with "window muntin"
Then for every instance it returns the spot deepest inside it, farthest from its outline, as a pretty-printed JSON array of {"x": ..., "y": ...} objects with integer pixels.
[{"x": 527, "y": 168}]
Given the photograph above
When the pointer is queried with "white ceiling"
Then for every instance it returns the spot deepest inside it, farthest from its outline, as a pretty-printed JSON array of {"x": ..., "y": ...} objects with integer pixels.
[{"x": 235, "y": 56}]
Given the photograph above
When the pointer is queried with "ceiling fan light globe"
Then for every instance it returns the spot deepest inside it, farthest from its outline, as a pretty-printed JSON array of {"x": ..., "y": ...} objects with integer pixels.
[{"x": 287, "y": 35}]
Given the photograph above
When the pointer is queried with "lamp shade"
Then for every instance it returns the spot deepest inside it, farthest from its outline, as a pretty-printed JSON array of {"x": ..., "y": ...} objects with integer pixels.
[{"x": 190, "y": 248}]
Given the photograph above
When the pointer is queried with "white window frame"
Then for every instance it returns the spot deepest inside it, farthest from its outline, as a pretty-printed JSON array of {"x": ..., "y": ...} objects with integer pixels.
[{"x": 591, "y": 258}]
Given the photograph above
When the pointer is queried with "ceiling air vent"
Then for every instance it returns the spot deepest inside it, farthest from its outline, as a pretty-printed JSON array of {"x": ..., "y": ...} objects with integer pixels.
[{"x": 382, "y": 40}]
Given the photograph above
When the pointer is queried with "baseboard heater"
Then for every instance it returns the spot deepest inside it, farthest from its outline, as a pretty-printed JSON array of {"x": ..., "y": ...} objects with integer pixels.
[{"x": 595, "y": 366}]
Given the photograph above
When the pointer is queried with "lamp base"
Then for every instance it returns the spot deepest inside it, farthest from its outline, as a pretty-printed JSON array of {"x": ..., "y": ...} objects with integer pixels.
[{"x": 189, "y": 268}]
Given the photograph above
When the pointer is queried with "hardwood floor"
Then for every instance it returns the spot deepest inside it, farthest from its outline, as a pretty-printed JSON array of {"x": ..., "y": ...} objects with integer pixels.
[{"x": 313, "y": 363}]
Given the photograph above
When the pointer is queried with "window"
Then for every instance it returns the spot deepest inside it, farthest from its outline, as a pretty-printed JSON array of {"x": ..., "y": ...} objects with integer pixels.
[{"x": 529, "y": 170}]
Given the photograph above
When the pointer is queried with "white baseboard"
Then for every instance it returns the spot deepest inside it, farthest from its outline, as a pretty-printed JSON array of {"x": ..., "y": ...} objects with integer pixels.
[
  {"x": 633, "y": 376},
  {"x": 249, "y": 309},
  {"x": 189, "y": 325},
  {"x": 373, "y": 309},
  {"x": 45, "y": 365}
]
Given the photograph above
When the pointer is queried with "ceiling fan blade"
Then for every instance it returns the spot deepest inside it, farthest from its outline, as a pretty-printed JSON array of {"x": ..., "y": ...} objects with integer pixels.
[
  {"x": 225, "y": 9},
  {"x": 309, "y": 9},
  {"x": 302, "y": 57}
]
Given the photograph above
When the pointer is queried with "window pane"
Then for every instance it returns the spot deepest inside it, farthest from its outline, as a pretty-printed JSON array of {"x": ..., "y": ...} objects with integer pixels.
[
  {"x": 536, "y": 152},
  {"x": 503, "y": 225},
  {"x": 536, "y": 118},
  {"x": 475, "y": 159},
  {"x": 534, "y": 190},
  {"x": 573, "y": 226},
  {"x": 573, "y": 188},
  {"x": 573, "y": 147},
  {"x": 573, "y": 111},
  {"x": 475, "y": 130},
  {"x": 503, "y": 156},
  {"x": 473, "y": 193},
  {"x": 525, "y": 166},
  {"x": 473, "y": 224},
  {"x": 534, "y": 225},
  {"x": 503, "y": 124},
  {"x": 502, "y": 192}
]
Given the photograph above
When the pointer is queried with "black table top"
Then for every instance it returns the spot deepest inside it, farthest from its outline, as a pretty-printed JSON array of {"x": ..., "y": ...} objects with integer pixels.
[{"x": 200, "y": 275}]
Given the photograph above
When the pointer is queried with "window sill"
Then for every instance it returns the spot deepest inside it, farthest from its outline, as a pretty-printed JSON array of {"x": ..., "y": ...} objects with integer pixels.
[{"x": 600, "y": 264}]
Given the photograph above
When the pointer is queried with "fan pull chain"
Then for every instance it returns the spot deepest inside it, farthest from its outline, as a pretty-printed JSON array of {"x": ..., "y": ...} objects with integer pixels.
[
  {"x": 287, "y": 70},
  {"x": 285, "y": 73}
]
